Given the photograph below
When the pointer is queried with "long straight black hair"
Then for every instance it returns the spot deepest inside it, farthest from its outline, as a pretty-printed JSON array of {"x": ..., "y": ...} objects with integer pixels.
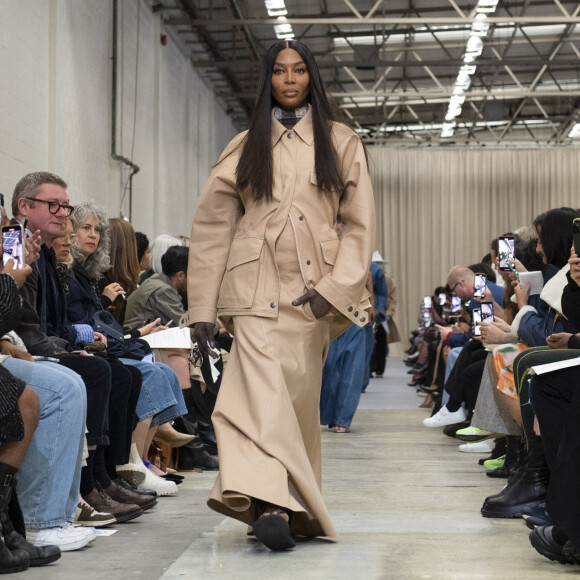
[{"x": 255, "y": 165}]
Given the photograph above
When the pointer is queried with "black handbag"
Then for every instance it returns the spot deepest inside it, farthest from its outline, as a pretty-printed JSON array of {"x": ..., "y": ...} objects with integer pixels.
[{"x": 117, "y": 345}]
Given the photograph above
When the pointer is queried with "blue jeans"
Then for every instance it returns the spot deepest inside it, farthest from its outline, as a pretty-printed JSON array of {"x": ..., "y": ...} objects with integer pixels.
[
  {"x": 343, "y": 377},
  {"x": 50, "y": 475},
  {"x": 161, "y": 396},
  {"x": 452, "y": 356}
]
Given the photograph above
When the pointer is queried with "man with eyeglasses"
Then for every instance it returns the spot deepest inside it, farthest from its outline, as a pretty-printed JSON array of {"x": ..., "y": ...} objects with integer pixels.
[
  {"x": 463, "y": 351},
  {"x": 49, "y": 489}
]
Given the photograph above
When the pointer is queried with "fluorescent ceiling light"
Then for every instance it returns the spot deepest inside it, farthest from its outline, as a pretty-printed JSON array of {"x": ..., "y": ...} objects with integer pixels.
[
  {"x": 277, "y": 8},
  {"x": 575, "y": 132}
]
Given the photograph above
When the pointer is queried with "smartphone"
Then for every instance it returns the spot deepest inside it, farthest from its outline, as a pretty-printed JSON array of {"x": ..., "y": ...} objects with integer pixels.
[
  {"x": 442, "y": 299},
  {"x": 576, "y": 235},
  {"x": 427, "y": 302},
  {"x": 12, "y": 245},
  {"x": 2, "y": 199},
  {"x": 486, "y": 312},
  {"x": 455, "y": 304},
  {"x": 476, "y": 321},
  {"x": 480, "y": 285},
  {"x": 506, "y": 251}
]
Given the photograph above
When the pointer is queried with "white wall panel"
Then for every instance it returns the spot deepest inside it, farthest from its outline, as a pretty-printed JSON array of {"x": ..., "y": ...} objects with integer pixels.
[{"x": 55, "y": 109}]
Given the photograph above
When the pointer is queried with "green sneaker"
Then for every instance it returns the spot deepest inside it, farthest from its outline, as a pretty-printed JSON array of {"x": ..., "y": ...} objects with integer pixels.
[
  {"x": 473, "y": 434},
  {"x": 494, "y": 463}
]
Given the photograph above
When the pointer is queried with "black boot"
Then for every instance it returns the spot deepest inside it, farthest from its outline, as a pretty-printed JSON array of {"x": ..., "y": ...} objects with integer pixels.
[
  {"x": 207, "y": 436},
  {"x": 514, "y": 454},
  {"x": 194, "y": 424},
  {"x": 528, "y": 486},
  {"x": 194, "y": 456},
  {"x": 11, "y": 560},
  {"x": 15, "y": 535}
]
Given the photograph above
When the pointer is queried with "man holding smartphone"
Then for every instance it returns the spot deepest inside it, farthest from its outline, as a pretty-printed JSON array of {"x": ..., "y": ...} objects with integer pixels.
[{"x": 462, "y": 282}]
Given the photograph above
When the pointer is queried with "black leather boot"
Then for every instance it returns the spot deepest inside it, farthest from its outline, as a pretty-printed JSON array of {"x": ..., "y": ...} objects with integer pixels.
[
  {"x": 11, "y": 560},
  {"x": 193, "y": 424},
  {"x": 514, "y": 454},
  {"x": 528, "y": 486},
  {"x": 194, "y": 456},
  {"x": 207, "y": 436},
  {"x": 14, "y": 532}
]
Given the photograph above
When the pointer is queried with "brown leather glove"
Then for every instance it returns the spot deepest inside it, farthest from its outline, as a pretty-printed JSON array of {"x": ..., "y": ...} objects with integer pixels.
[
  {"x": 318, "y": 304},
  {"x": 203, "y": 335}
]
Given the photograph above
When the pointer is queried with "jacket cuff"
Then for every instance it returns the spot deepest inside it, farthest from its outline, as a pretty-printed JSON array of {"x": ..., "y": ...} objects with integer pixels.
[
  {"x": 194, "y": 315},
  {"x": 517, "y": 320},
  {"x": 85, "y": 333},
  {"x": 353, "y": 309}
]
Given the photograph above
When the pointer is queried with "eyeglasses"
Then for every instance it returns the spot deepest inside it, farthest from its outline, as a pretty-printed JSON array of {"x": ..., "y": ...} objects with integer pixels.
[
  {"x": 72, "y": 238},
  {"x": 53, "y": 206},
  {"x": 453, "y": 289}
]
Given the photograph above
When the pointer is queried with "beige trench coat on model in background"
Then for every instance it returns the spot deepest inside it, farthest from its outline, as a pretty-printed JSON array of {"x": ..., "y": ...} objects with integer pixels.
[{"x": 248, "y": 260}]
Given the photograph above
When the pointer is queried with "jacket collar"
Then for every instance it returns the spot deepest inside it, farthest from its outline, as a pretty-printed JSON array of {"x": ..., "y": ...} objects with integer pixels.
[{"x": 303, "y": 129}]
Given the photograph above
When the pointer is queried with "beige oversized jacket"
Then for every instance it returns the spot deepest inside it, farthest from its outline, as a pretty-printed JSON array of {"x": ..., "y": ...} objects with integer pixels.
[{"x": 232, "y": 267}]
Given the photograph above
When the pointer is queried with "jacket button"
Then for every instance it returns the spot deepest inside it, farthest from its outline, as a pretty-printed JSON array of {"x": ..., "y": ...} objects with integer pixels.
[
  {"x": 362, "y": 318},
  {"x": 301, "y": 218},
  {"x": 290, "y": 135},
  {"x": 350, "y": 308},
  {"x": 308, "y": 262},
  {"x": 356, "y": 313},
  {"x": 273, "y": 305}
]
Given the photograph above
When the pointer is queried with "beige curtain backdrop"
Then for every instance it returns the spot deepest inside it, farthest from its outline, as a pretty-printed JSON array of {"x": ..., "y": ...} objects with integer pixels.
[{"x": 438, "y": 208}]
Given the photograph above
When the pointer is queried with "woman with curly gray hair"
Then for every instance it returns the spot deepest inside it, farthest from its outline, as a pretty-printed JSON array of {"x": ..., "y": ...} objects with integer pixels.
[{"x": 160, "y": 399}]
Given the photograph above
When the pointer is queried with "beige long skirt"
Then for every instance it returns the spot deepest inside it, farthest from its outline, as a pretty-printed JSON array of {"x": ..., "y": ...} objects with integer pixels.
[{"x": 267, "y": 413}]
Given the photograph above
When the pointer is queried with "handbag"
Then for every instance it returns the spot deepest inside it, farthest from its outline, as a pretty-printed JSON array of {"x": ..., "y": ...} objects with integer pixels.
[{"x": 117, "y": 345}]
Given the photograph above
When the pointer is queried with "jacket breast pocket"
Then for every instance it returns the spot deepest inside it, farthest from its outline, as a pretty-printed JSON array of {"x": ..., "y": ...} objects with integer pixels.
[{"x": 241, "y": 277}]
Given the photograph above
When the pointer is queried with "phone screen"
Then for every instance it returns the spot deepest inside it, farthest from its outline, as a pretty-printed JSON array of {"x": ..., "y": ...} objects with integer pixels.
[
  {"x": 12, "y": 247},
  {"x": 427, "y": 302},
  {"x": 480, "y": 285},
  {"x": 486, "y": 312},
  {"x": 455, "y": 304},
  {"x": 442, "y": 299},
  {"x": 476, "y": 321},
  {"x": 506, "y": 251}
]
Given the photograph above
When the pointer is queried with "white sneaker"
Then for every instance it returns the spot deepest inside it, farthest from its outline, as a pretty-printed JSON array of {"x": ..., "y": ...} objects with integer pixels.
[
  {"x": 66, "y": 537},
  {"x": 444, "y": 417},
  {"x": 158, "y": 484},
  {"x": 477, "y": 447}
]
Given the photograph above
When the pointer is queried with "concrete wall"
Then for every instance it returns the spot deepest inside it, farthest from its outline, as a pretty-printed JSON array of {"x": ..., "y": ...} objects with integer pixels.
[{"x": 55, "y": 109}]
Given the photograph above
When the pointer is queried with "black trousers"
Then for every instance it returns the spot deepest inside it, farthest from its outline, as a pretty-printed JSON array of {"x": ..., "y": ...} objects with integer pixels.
[
  {"x": 380, "y": 351},
  {"x": 556, "y": 399},
  {"x": 96, "y": 374},
  {"x": 465, "y": 377},
  {"x": 125, "y": 390}
]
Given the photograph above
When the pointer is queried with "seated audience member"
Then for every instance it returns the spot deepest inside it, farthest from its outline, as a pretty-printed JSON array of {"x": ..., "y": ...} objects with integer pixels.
[
  {"x": 538, "y": 318},
  {"x": 143, "y": 254},
  {"x": 160, "y": 399},
  {"x": 42, "y": 199},
  {"x": 20, "y": 417},
  {"x": 461, "y": 281},
  {"x": 158, "y": 297},
  {"x": 159, "y": 246}
]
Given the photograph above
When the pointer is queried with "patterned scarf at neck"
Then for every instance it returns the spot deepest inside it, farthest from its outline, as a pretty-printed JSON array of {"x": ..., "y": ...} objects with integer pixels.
[{"x": 290, "y": 118}]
